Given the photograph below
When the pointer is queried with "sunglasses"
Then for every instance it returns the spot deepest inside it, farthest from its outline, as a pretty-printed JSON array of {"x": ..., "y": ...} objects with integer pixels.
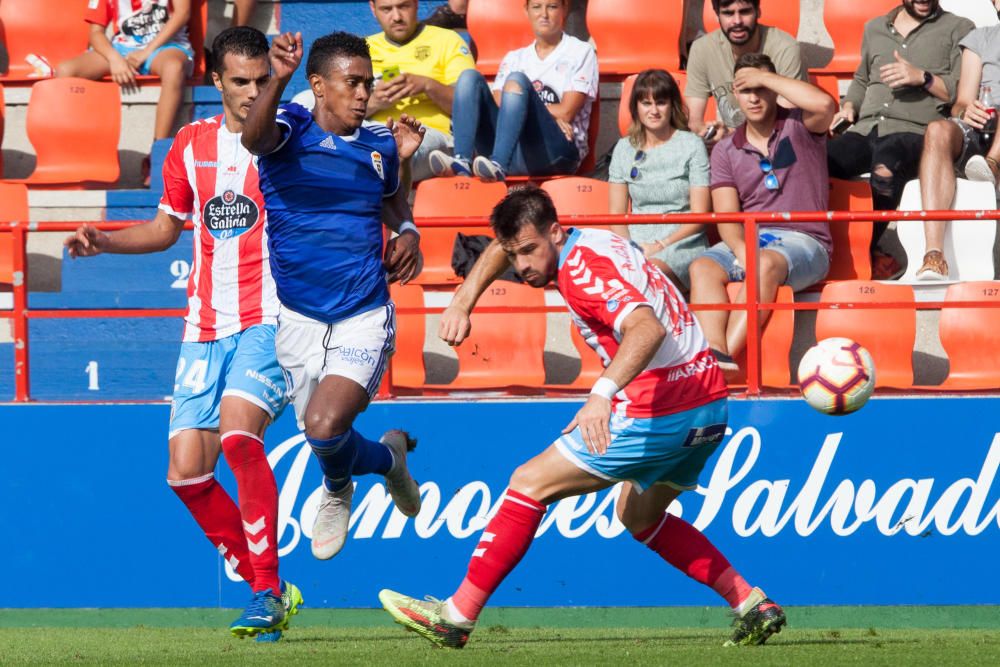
[
  {"x": 771, "y": 181},
  {"x": 640, "y": 156}
]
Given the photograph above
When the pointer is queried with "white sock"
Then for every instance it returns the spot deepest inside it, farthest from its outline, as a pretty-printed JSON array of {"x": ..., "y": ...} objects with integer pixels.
[{"x": 453, "y": 613}]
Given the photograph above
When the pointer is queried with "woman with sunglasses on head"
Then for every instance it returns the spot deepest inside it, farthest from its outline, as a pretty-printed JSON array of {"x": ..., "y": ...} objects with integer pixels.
[
  {"x": 533, "y": 120},
  {"x": 661, "y": 167}
]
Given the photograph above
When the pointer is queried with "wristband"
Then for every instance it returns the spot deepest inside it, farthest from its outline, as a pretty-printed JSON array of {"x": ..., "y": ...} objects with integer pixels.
[
  {"x": 605, "y": 387},
  {"x": 408, "y": 226}
]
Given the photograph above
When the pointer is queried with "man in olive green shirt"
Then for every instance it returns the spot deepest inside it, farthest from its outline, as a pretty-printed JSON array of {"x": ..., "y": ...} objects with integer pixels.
[
  {"x": 713, "y": 56},
  {"x": 910, "y": 64}
]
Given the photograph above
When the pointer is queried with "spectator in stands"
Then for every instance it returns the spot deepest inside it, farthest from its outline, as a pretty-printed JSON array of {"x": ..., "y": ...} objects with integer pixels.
[
  {"x": 416, "y": 67},
  {"x": 450, "y": 15},
  {"x": 535, "y": 120},
  {"x": 774, "y": 161},
  {"x": 958, "y": 141},
  {"x": 149, "y": 39},
  {"x": 243, "y": 11},
  {"x": 712, "y": 57},
  {"x": 661, "y": 167},
  {"x": 906, "y": 79}
]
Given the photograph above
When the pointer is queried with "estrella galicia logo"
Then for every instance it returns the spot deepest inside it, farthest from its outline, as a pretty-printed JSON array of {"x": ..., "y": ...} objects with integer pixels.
[
  {"x": 143, "y": 26},
  {"x": 546, "y": 93},
  {"x": 229, "y": 214}
]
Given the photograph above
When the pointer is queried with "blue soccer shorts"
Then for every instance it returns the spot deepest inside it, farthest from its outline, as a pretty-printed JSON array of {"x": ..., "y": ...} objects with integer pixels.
[
  {"x": 242, "y": 365},
  {"x": 668, "y": 450}
]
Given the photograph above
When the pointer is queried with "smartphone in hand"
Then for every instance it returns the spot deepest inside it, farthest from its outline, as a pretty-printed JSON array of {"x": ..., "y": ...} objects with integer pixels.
[
  {"x": 840, "y": 126},
  {"x": 390, "y": 72},
  {"x": 710, "y": 133}
]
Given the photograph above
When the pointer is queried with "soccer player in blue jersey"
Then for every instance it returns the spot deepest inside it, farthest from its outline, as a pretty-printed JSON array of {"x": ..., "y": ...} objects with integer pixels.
[{"x": 330, "y": 180}]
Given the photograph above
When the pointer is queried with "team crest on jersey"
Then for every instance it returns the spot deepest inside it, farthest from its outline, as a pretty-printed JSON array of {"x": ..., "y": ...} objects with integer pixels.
[
  {"x": 422, "y": 53},
  {"x": 230, "y": 214},
  {"x": 377, "y": 163}
]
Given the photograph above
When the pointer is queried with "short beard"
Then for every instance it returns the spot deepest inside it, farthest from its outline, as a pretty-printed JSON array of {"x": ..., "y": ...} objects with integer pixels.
[
  {"x": 750, "y": 34},
  {"x": 918, "y": 17}
]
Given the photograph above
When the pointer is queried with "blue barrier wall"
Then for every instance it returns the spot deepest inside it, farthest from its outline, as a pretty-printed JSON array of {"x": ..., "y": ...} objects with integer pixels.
[{"x": 896, "y": 504}]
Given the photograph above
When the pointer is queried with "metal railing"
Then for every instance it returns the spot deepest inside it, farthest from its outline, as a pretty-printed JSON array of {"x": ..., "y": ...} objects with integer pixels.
[{"x": 21, "y": 314}]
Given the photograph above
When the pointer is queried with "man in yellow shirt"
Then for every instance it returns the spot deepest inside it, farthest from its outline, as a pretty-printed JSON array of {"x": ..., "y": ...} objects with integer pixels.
[{"x": 416, "y": 67}]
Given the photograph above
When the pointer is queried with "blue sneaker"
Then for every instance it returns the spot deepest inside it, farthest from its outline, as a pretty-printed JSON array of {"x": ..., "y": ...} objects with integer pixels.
[
  {"x": 488, "y": 171},
  {"x": 265, "y": 613},
  {"x": 268, "y": 637},
  {"x": 443, "y": 164}
]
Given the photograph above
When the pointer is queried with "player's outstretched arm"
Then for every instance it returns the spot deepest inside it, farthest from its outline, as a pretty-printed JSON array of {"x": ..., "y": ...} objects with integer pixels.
[
  {"x": 260, "y": 131},
  {"x": 455, "y": 322},
  {"x": 642, "y": 335},
  {"x": 154, "y": 236}
]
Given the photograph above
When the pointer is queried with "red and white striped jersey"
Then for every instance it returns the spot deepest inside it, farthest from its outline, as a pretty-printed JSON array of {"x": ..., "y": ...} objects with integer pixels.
[
  {"x": 136, "y": 22},
  {"x": 209, "y": 176},
  {"x": 603, "y": 278}
]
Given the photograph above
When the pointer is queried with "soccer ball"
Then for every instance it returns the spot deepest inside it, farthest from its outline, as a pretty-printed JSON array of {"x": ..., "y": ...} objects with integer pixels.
[{"x": 837, "y": 376}]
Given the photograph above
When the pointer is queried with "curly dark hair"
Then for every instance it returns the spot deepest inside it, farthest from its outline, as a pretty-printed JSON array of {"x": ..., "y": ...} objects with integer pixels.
[
  {"x": 716, "y": 4},
  {"x": 527, "y": 206},
  {"x": 334, "y": 45},
  {"x": 241, "y": 41}
]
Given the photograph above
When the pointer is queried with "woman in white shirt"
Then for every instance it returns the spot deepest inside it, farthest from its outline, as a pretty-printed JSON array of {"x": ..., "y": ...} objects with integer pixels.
[{"x": 534, "y": 119}]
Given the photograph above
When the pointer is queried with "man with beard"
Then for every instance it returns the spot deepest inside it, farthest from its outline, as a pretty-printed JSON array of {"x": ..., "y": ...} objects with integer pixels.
[
  {"x": 907, "y": 78},
  {"x": 713, "y": 56}
]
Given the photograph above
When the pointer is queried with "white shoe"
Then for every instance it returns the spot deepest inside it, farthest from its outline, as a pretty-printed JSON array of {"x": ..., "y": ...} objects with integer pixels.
[
  {"x": 402, "y": 487},
  {"x": 329, "y": 531},
  {"x": 443, "y": 164},
  {"x": 978, "y": 169},
  {"x": 487, "y": 170}
]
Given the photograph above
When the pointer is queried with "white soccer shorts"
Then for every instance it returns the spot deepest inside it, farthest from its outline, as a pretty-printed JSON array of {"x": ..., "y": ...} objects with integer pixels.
[{"x": 357, "y": 348}]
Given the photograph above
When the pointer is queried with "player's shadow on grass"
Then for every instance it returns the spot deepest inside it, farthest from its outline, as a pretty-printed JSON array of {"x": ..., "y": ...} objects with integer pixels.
[{"x": 835, "y": 641}]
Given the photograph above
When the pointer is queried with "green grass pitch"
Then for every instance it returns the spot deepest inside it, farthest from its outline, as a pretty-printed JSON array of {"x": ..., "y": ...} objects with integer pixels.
[{"x": 680, "y": 636}]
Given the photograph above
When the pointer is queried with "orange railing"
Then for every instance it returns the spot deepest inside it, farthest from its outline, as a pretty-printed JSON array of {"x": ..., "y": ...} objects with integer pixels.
[{"x": 21, "y": 314}]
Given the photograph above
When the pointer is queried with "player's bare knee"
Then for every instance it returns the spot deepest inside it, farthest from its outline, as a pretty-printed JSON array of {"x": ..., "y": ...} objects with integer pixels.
[
  {"x": 527, "y": 481},
  {"x": 325, "y": 425}
]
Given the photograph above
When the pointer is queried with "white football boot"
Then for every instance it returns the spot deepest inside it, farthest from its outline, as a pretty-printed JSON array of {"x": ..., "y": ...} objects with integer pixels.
[
  {"x": 333, "y": 518},
  {"x": 402, "y": 487}
]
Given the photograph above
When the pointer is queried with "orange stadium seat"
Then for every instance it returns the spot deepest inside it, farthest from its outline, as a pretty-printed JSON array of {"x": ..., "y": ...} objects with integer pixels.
[
  {"x": 577, "y": 195},
  {"x": 79, "y": 144},
  {"x": 845, "y": 21},
  {"x": 775, "y": 343},
  {"x": 450, "y": 197},
  {"x": 3, "y": 114},
  {"x": 970, "y": 335},
  {"x": 13, "y": 208},
  {"x": 496, "y": 27},
  {"x": 783, "y": 14},
  {"x": 52, "y": 29},
  {"x": 635, "y": 36},
  {"x": 407, "y": 365},
  {"x": 851, "y": 241},
  {"x": 889, "y": 334},
  {"x": 625, "y": 117},
  {"x": 505, "y": 350}
]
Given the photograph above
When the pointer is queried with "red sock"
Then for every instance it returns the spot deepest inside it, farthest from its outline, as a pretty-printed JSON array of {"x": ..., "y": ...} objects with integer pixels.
[
  {"x": 501, "y": 547},
  {"x": 686, "y": 548},
  {"x": 258, "y": 495},
  {"x": 219, "y": 517}
]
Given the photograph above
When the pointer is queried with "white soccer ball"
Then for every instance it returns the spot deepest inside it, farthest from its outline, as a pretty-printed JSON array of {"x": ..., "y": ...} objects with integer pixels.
[{"x": 837, "y": 376}]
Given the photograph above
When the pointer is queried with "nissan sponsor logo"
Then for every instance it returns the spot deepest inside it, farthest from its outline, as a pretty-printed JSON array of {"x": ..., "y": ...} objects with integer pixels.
[{"x": 230, "y": 214}]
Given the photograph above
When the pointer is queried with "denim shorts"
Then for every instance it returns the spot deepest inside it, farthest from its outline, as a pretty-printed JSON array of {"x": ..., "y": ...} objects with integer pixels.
[
  {"x": 144, "y": 68},
  {"x": 808, "y": 261},
  {"x": 972, "y": 142}
]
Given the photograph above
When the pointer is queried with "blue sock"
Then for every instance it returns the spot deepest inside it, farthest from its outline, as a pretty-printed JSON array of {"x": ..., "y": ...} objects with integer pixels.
[
  {"x": 336, "y": 458},
  {"x": 370, "y": 456}
]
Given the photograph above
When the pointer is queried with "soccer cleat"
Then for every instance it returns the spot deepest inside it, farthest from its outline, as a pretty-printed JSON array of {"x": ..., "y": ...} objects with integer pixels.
[
  {"x": 291, "y": 597},
  {"x": 488, "y": 170},
  {"x": 443, "y": 164},
  {"x": 404, "y": 490},
  {"x": 333, "y": 518},
  {"x": 762, "y": 619},
  {"x": 427, "y": 618},
  {"x": 265, "y": 613},
  {"x": 268, "y": 637}
]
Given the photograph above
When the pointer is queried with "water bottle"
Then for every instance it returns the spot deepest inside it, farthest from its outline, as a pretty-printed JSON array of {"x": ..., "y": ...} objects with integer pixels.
[{"x": 990, "y": 128}]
